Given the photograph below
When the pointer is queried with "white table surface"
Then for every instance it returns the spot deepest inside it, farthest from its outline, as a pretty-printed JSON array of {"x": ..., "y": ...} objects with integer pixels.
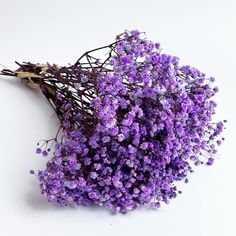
[{"x": 202, "y": 33}]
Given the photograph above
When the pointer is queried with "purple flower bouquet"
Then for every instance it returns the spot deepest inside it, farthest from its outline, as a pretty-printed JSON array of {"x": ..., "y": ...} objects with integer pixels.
[{"x": 131, "y": 125}]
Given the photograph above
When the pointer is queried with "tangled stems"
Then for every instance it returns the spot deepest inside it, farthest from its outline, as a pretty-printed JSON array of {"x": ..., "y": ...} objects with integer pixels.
[
  {"x": 72, "y": 86},
  {"x": 132, "y": 124}
]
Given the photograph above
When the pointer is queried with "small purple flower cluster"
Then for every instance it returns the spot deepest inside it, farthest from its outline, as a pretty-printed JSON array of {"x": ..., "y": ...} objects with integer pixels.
[{"x": 151, "y": 120}]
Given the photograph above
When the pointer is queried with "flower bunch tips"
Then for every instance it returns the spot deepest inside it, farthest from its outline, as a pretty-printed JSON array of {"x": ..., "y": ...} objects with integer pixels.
[{"x": 131, "y": 125}]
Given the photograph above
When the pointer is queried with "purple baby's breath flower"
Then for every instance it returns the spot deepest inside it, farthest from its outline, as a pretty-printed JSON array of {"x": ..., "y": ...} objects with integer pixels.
[
  {"x": 45, "y": 153},
  {"x": 131, "y": 125},
  {"x": 210, "y": 161},
  {"x": 84, "y": 79},
  {"x": 92, "y": 195},
  {"x": 125, "y": 59},
  {"x": 106, "y": 139},
  {"x": 121, "y": 137},
  {"x": 71, "y": 184},
  {"x": 144, "y": 146},
  {"x": 97, "y": 166},
  {"x": 38, "y": 150},
  {"x": 93, "y": 175}
]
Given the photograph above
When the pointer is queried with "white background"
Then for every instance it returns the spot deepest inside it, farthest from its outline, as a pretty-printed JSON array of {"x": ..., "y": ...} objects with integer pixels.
[{"x": 202, "y": 33}]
